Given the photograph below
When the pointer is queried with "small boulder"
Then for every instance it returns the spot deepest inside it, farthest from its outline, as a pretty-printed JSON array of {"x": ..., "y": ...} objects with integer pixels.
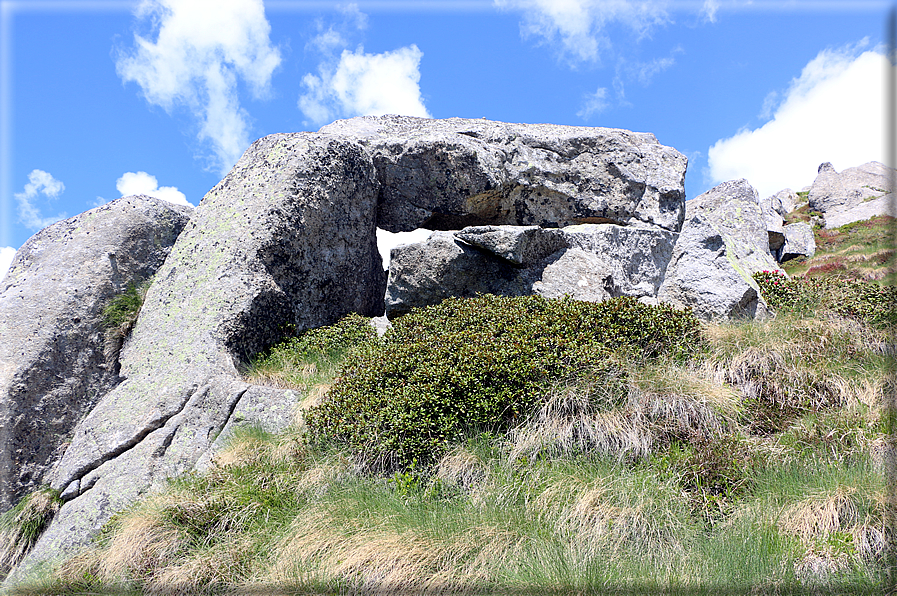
[
  {"x": 723, "y": 242},
  {"x": 774, "y": 228},
  {"x": 783, "y": 202},
  {"x": 799, "y": 242}
]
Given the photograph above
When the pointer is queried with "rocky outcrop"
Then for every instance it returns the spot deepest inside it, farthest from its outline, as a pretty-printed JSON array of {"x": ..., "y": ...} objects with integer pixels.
[
  {"x": 799, "y": 242},
  {"x": 52, "y": 365},
  {"x": 723, "y": 242},
  {"x": 448, "y": 174},
  {"x": 775, "y": 227},
  {"x": 587, "y": 262},
  {"x": 854, "y": 194},
  {"x": 286, "y": 241}
]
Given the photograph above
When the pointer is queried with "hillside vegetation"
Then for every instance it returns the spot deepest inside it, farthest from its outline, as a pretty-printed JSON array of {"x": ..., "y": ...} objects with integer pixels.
[{"x": 523, "y": 445}]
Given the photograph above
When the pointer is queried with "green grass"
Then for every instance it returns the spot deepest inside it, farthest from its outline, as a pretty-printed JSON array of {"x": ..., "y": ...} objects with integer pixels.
[{"x": 679, "y": 484}]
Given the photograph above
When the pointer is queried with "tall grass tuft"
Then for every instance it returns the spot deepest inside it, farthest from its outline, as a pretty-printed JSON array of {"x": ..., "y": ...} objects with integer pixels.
[{"x": 21, "y": 526}]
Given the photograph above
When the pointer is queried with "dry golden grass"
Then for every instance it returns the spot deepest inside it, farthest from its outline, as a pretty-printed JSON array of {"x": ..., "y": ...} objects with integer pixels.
[
  {"x": 379, "y": 560},
  {"x": 571, "y": 421},
  {"x": 461, "y": 468}
]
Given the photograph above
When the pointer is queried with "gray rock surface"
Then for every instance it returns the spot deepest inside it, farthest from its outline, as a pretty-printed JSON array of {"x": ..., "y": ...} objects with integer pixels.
[
  {"x": 52, "y": 366},
  {"x": 723, "y": 242},
  {"x": 885, "y": 205},
  {"x": 775, "y": 227},
  {"x": 587, "y": 262},
  {"x": 853, "y": 194},
  {"x": 783, "y": 202},
  {"x": 286, "y": 237},
  {"x": 799, "y": 242},
  {"x": 519, "y": 245},
  {"x": 449, "y": 174}
]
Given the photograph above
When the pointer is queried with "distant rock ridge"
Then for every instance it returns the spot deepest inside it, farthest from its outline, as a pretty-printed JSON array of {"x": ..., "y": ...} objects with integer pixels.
[{"x": 854, "y": 194}]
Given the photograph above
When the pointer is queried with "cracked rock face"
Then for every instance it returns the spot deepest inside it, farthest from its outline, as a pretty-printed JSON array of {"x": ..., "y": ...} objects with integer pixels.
[
  {"x": 587, "y": 262},
  {"x": 449, "y": 174},
  {"x": 52, "y": 366},
  {"x": 287, "y": 237},
  {"x": 723, "y": 242}
]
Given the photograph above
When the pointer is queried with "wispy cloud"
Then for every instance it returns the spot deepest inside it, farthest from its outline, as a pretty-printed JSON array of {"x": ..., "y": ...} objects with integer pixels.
[
  {"x": 202, "y": 48},
  {"x": 7, "y": 253},
  {"x": 40, "y": 183},
  {"x": 576, "y": 29},
  {"x": 141, "y": 183},
  {"x": 708, "y": 11},
  {"x": 832, "y": 112},
  {"x": 356, "y": 83},
  {"x": 593, "y": 104}
]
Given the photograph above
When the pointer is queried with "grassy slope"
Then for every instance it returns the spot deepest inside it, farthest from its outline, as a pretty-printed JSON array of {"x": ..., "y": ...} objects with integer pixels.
[
  {"x": 754, "y": 468},
  {"x": 861, "y": 250}
]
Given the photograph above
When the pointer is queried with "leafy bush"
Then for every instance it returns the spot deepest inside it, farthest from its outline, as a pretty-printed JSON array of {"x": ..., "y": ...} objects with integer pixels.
[
  {"x": 869, "y": 302},
  {"x": 330, "y": 342},
  {"x": 476, "y": 363}
]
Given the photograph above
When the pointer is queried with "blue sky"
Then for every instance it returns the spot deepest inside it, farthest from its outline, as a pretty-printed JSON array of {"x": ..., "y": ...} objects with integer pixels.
[{"x": 100, "y": 98}]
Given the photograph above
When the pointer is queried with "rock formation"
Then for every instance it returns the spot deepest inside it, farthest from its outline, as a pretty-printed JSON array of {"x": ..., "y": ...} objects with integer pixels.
[
  {"x": 723, "y": 242},
  {"x": 854, "y": 194},
  {"x": 286, "y": 242},
  {"x": 52, "y": 365},
  {"x": 799, "y": 242}
]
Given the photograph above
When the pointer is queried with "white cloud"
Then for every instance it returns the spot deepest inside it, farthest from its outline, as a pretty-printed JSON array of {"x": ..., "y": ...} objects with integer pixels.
[
  {"x": 7, "y": 253},
  {"x": 576, "y": 28},
  {"x": 709, "y": 10},
  {"x": 594, "y": 103},
  {"x": 203, "y": 47},
  {"x": 141, "y": 183},
  {"x": 365, "y": 85},
  {"x": 833, "y": 112},
  {"x": 39, "y": 183},
  {"x": 386, "y": 241}
]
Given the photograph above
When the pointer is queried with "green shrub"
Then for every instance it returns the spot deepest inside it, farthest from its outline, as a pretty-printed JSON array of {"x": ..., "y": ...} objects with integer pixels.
[
  {"x": 477, "y": 363},
  {"x": 329, "y": 342},
  {"x": 869, "y": 302}
]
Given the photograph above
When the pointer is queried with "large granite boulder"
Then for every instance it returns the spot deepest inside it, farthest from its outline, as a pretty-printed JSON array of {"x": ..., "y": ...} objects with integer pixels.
[
  {"x": 53, "y": 369},
  {"x": 723, "y": 242},
  {"x": 854, "y": 194},
  {"x": 588, "y": 262},
  {"x": 448, "y": 174},
  {"x": 285, "y": 241}
]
